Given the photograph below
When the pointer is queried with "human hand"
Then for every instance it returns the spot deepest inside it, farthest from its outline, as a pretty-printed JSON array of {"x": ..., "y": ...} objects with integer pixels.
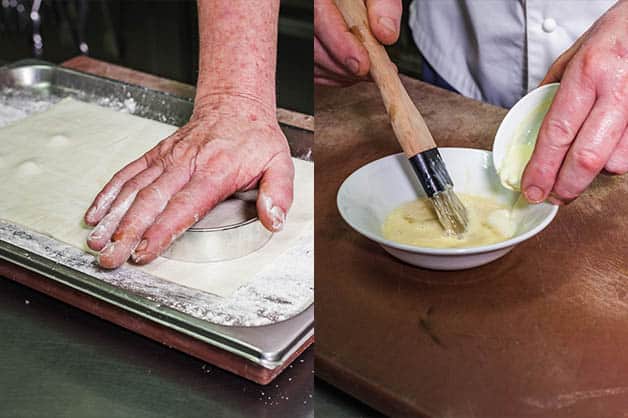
[
  {"x": 584, "y": 131},
  {"x": 339, "y": 57},
  {"x": 230, "y": 144}
]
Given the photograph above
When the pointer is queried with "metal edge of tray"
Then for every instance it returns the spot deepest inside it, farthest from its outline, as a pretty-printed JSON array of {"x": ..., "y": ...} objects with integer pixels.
[
  {"x": 230, "y": 339},
  {"x": 150, "y": 102},
  {"x": 286, "y": 118}
]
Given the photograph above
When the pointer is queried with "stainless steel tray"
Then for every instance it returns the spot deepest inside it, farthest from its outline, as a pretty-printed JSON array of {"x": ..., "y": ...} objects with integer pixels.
[{"x": 268, "y": 346}]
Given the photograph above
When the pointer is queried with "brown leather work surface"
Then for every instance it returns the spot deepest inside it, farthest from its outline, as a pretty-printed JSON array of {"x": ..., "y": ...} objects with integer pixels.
[{"x": 540, "y": 332}]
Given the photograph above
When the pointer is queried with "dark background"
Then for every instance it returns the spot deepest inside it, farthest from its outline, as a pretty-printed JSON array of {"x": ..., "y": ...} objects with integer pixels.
[{"x": 157, "y": 37}]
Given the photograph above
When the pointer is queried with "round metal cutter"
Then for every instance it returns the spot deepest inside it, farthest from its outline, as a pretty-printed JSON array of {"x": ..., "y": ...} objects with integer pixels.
[{"x": 230, "y": 230}]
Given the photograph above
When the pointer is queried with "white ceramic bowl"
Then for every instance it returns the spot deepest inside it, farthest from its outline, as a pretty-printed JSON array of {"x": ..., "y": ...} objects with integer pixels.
[
  {"x": 370, "y": 193},
  {"x": 529, "y": 111}
]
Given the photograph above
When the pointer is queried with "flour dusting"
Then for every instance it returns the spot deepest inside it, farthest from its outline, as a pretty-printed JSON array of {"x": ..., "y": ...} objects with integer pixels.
[
  {"x": 15, "y": 105},
  {"x": 279, "y": 292}
]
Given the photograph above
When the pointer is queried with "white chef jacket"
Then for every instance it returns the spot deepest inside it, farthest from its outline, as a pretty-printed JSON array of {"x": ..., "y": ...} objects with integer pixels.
[{"x": 498, "y": 50}]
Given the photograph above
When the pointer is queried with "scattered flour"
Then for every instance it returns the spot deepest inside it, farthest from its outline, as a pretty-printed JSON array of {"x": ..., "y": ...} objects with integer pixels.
[
  {"x": 130, "y": 105},
  {"x": 281, "y": 291},
  {"x": 278, "y": 293},
  {"x": 15, "y": 106},
  {"x": 9, "y": 114}
]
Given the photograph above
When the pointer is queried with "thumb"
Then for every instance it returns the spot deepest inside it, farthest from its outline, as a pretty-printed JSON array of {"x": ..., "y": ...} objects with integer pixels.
[
  {"x": 385, "y": 19},
  {"x": 275, "y": 192}
]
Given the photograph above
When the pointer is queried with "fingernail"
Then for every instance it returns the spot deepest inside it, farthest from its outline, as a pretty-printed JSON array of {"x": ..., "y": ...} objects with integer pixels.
[
  {"x": 534, "y": 194},
  {"x": 105, "y": 252},
  {"x": 96, "y": 233},
  {"x": 137, "y": 258},
  {"x": 388, "y": 24},
  {"x": 141, "y": 246},
  {"x": 279, "y": 218},
  {"x": 108, "y": 248},
  {"x": 353, "y": 65}
]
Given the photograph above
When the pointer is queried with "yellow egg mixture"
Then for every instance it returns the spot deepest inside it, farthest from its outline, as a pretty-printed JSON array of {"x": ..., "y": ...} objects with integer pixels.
[
  {"x": 521, "y": 147},
  {"x": 416, "y": 223}
]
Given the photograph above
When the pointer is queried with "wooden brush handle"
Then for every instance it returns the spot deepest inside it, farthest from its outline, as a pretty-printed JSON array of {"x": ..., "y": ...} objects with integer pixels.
[{"x": 407, "y": 123}]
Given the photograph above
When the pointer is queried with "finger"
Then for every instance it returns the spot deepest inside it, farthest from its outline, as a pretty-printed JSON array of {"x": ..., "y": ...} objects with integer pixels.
[
  {"x": 106, "y": 197},
  {"x": 322, "y": 81},
  {"x": 101, "y": 204},
  {"x": 148, "y": 204},
  {"x": 324, "y": 60},
  {"x": 572, "y": 103},
  {"x": 276, "y": 192},
  {"x": 323, "y": 73},
  {"x": 385, "y": 19},
  {"x": 618, "y": 163},
  {"x": 555, "y": 201},
  {"x": 331, "y": 30},
  {"x": 321, "y": 70},
  {"x": 101, "y": 234},
  {"x": 189, "y": 205},
  {"x": 591, "y": 150}
]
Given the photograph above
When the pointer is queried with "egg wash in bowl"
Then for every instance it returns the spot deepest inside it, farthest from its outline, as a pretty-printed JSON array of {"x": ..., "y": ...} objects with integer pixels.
[
  {"x": 368, "y": 197},
  {"x": 415, "y": 223},
  {"x": 491, "y": 220}
]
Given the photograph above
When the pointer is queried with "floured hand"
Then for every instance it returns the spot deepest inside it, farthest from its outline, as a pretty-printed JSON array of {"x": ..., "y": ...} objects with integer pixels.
[{"x": 230, "y": 144}]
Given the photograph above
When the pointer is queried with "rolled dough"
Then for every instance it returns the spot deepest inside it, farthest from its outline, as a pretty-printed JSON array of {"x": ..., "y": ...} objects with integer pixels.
[{"x": 53, "y": 163}]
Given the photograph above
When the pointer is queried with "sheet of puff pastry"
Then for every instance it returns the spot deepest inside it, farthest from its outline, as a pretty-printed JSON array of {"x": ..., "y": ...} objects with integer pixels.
[{"x": 52, "y": 164}]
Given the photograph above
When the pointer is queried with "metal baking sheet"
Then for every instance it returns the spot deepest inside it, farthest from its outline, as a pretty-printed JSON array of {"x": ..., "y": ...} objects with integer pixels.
[{"x": 268, "y": 346}]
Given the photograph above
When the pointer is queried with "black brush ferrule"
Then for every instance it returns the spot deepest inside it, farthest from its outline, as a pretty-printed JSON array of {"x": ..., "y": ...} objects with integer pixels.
[{"x": 430, "y": 169}]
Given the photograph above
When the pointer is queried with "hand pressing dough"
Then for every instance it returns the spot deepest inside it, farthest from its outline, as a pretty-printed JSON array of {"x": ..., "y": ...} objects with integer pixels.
[{"x": 53, "y": 164}]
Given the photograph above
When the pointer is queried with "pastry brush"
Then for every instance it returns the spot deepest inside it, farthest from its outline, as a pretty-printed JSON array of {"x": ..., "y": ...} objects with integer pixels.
[{"x": 408, "y": 124}]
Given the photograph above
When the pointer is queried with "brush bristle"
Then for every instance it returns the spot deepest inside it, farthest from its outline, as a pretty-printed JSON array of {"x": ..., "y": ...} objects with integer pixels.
[
  {"x": 450, "y": 211},
  {"x": 432, "y": 173}
]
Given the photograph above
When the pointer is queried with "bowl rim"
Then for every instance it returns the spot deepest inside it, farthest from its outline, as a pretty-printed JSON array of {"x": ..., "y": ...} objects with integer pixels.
[
  {"x": 512, "y": 115},
  {"x": 443, "y": 251}
]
